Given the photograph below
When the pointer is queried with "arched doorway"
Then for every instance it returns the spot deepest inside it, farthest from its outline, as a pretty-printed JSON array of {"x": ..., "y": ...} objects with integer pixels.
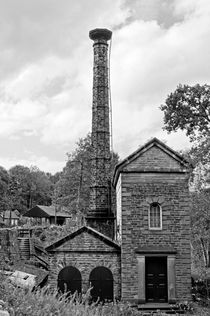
[
  {"x": 69, "y": 280},
  {"x": 101, "y": 281}
]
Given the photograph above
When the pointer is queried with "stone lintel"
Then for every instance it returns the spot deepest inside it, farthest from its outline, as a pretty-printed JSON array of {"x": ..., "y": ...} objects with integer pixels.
[
  {"x": 152, "y": 250},
  {"x": 99, "y": 217}
]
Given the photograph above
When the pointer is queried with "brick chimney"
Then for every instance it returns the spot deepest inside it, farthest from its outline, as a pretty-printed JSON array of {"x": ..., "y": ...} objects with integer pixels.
[{"x": 99, "y": 215}]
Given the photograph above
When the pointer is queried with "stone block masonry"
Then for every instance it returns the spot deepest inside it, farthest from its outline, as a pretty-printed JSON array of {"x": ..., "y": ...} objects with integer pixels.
[
  {"x": 85, "y": 252},
  {"x": 154, "y": 175},
  {"x": 175, "y": 227},
  {"x": 9, "y": 246},
  {"x": 100, "y": 199}
]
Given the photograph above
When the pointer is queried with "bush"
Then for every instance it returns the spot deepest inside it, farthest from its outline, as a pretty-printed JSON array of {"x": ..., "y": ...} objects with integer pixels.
[
  {"x": 44, "y": 302},
  {"x": 201, "y": 291}
]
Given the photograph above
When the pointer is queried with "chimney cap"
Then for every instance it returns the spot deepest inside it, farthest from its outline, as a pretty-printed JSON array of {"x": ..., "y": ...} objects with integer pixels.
[{"x": 98, "y": 34}]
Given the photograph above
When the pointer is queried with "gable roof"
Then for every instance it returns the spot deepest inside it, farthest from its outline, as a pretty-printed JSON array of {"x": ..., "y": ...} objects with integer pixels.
[
  {"x": 44, "y": 211},
  {"x": 11, "y": 214},
  {"x": 81, "y": 230},
  {"x": 140, "y": 151}
]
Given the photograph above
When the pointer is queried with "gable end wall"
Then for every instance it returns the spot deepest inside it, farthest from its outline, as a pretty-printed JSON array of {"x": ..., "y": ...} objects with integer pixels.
[
  {"x": 154, "y": 159},
  {"x": 172, "y": 191},
  {"x": 83, "y": 241},
  {"x": 85, "y": 261}
]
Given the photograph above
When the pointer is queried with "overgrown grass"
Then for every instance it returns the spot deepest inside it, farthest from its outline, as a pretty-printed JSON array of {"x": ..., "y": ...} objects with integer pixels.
[{"x": 46, "y": 302}]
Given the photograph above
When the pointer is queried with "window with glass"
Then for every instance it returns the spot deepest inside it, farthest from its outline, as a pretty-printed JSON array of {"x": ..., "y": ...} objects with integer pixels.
[{"x": 155, "y": 216}]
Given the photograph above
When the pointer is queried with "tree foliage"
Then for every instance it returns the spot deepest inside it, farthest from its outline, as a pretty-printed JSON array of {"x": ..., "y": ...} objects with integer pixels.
[
  {"x": 188, "y": 109},
  {"x": 73, "y": 188},
  {"x": 22, "y": 188},
  {"x": 200, "y": 228},
  {"x": 4, "y": 185}
]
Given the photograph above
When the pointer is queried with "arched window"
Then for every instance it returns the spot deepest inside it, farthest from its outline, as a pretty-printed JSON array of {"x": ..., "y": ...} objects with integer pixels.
[
  {"x": 69, "y": 280},
  {"x": 101, "y": 281},
  {"x": 155, "y": 216}
]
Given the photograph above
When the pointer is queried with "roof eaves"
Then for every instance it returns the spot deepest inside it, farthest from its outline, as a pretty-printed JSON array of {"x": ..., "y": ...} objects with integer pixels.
[
  {"x": 92, "y": 231},
  {"x": 141, "y": 150}
]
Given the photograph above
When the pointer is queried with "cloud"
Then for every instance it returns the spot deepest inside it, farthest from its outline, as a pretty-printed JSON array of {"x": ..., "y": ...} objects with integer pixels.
[
  {"x": 148, "y": 62},
  {"x": 46, "y": 68},
  {"x": 33, "y": 30},
  {"x": 44, "y": 163},
  {"x": 161, "y": 11}
]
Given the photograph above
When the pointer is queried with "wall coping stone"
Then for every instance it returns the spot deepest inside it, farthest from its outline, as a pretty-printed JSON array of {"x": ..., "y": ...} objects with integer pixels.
[
  {"x": 87, "y": 229},
  {"x": 155, "y": 250}
]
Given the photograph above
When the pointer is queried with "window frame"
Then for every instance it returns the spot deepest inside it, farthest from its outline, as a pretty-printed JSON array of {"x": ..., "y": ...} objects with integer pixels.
[{"x": 161, "y": 221}]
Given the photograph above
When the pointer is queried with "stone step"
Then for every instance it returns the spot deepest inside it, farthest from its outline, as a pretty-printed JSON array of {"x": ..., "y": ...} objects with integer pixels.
[{"x": 157, "y": 308}]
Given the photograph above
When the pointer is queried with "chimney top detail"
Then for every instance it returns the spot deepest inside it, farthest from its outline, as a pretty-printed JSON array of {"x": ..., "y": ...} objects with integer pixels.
[{"x": 100, "y": 34}]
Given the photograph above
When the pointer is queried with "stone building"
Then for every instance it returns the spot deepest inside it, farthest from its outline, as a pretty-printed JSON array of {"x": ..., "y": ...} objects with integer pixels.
[
  {"x": 154, "y": 224},
  {"x": 139, "y": 252}
]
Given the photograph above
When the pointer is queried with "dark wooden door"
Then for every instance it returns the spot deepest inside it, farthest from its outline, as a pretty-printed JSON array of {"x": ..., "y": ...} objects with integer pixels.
[
  {"x": 101, "y": 281},
  {"x": 156, "y": 279},
  {"x": 69, "y": 280}
]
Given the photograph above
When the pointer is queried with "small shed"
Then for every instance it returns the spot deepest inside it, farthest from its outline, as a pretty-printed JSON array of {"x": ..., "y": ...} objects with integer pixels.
[
  {"x": 2, "y": 224},
  {"x": 11, "y": 218},
  {"x": 47, "y": 215}
]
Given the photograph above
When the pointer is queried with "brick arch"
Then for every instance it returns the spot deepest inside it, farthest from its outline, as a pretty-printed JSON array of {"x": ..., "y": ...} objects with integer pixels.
[
  {"x": 156, "y": 199},
  {"x": 69, "y": 280},
  {"x": 102, "y": 283}
]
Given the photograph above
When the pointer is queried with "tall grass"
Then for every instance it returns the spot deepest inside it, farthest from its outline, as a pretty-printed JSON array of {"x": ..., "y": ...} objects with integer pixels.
[
  {"x": 47, "y": 302},
  {"x": 44, "y": 302}
]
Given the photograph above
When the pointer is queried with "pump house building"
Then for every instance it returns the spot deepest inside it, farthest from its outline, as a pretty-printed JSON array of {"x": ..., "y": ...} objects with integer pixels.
[{"x": 138, "y": 251}]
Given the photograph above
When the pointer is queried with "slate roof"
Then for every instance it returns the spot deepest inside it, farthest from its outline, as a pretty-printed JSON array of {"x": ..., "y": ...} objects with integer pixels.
[
  {"x": 11, "y": 214},
  {"x": 44, "y": 211},
  {"x": 89, "y": 230},
  {"x": 153, "y": 142}
]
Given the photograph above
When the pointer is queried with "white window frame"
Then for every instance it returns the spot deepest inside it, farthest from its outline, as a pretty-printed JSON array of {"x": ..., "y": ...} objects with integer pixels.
[{"x": 161, "y": 221}]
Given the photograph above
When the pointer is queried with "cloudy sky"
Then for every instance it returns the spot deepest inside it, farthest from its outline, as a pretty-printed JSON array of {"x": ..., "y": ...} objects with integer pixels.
[{"x": 46, "y": 72}]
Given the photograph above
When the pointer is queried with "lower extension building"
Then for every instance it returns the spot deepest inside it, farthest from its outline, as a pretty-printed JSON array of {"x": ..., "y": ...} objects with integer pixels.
[{"x": 138, "y": 250}]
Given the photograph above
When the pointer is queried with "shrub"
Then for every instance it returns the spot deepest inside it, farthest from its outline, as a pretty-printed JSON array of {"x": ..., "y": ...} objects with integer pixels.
[{"x": 44, "y": 302}]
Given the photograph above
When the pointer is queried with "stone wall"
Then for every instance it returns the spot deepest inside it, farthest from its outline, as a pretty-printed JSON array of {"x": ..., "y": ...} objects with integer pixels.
[
  {"x": 9, "y": 247},
  {"x": 85, "y": 262},
  {"x": 85, "y": 252},
  {"x": 170, "y": 190}
]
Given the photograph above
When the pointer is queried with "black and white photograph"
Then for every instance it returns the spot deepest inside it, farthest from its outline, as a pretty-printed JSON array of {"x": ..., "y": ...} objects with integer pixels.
[{"x": 105, "y": 157}]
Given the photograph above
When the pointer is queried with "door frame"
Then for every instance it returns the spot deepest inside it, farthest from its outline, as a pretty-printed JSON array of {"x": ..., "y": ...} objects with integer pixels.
[
  {"x": 162, "y": 260},
  {"x": 171, "y": 279}
]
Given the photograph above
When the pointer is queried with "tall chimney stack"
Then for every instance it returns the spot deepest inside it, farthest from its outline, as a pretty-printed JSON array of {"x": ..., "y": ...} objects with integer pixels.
[{"x": 100, "y": 216}]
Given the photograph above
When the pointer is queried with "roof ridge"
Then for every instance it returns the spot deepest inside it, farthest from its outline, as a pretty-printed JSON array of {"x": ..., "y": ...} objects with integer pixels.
[
  {"x": 77, "y": 232},
  {"x": 152, "y": 142}
]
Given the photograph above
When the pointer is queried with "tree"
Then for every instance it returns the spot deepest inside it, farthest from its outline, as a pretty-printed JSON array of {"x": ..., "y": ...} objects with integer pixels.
[
  {"x": 73, "y": 188},
  {"x": 4, "y": 183},
  {"x": 200, "y": 225},
  {"x": 28, "y": 187},
  {"x": 188, "y": 109},
  {"x": 19, "y": 187},
  {"x": 40, "y": 188}
]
